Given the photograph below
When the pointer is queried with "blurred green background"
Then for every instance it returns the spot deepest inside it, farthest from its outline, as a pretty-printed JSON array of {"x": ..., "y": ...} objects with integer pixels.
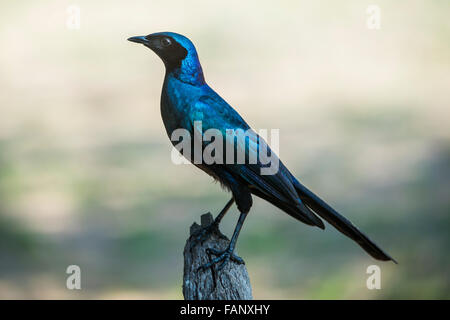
[{"x": 85, "y": 170}]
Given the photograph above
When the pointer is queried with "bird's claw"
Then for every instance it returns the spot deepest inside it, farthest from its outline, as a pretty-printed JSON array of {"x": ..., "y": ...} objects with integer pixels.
[{"x": 223, "y": 256}]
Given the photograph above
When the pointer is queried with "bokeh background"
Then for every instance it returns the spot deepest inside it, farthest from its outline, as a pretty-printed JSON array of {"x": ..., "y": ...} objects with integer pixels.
[{"x": 85, "y": 170}]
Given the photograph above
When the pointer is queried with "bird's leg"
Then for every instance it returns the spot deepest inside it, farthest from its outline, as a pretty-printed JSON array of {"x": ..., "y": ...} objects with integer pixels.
[
  {"x": 223, "y": 212},
  {"x": 203, "y": 233},
  {"x": 227, "y": 254}
]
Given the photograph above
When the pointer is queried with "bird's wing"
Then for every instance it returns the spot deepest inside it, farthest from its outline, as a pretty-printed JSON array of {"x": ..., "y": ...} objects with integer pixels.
[{"x": 215, "y": 113}]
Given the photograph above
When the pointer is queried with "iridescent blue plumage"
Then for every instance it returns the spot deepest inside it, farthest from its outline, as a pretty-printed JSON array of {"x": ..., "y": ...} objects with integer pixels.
[{"x": 187, "y": 98}]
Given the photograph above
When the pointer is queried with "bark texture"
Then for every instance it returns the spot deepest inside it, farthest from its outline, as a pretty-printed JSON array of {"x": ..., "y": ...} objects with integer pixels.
[{"x": 230, "y": 283}]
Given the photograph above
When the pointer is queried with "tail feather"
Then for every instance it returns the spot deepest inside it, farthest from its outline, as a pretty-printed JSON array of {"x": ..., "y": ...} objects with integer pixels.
[
  {"x": 340, "y": 223},
  {"x": 292, "y": 211}
]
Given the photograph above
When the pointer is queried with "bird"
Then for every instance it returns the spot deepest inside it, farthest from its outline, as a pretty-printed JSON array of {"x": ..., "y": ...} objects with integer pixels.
[{"x": 186, "y": 98}]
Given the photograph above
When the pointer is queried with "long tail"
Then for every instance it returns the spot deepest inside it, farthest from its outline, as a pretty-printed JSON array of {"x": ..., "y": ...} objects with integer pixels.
[
  {"x": 339, "y": 222},
  {"x": 286, "y": 207}
]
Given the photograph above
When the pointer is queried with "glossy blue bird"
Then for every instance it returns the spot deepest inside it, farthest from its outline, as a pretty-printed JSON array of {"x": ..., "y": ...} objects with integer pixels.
[{"x": 186, "y": 98}]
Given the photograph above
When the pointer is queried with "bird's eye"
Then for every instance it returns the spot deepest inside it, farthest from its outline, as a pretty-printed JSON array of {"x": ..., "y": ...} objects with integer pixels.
[{"x": 165, "y": 42}]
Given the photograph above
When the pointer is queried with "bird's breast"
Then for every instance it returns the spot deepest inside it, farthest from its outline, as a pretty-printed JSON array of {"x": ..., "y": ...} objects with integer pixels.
[{"x": 177, "y": 100}]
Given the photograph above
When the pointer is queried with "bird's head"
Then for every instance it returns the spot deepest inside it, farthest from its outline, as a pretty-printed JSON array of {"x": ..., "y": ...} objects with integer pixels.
[{"x": 177, "y": 52}]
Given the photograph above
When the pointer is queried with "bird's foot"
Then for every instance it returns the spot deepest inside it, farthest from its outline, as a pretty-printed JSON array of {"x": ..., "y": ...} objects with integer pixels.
[{"x": 222, "y": 256}]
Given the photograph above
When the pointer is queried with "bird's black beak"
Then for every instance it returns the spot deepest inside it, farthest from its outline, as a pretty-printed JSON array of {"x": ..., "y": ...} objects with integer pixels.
[{"x": 140, "y": 39}]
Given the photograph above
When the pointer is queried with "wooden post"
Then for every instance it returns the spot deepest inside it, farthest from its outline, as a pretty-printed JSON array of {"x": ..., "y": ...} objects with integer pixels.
[{"x": 230, "y": 283}]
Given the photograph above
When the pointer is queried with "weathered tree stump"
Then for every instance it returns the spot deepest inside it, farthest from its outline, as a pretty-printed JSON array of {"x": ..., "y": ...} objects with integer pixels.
[{"x": 230, "y": 283}]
